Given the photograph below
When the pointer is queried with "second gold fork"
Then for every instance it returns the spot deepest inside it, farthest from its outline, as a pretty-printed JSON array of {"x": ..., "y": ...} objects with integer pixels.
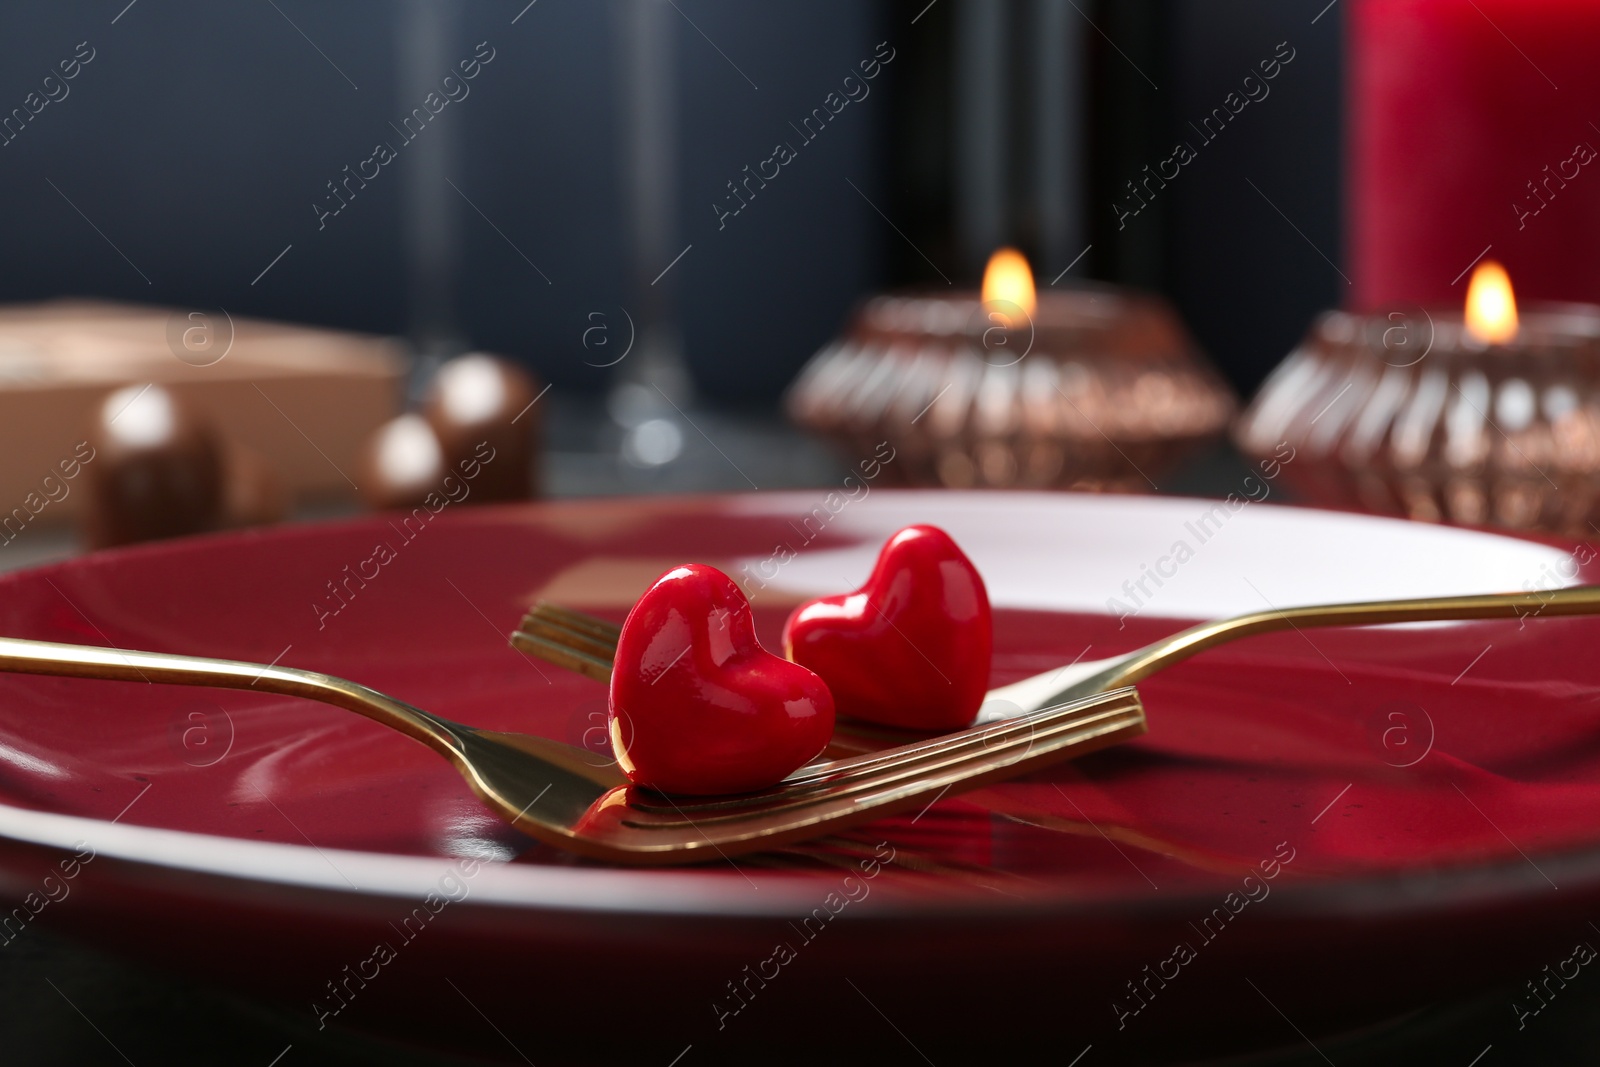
[{"x": 586, "y": 644}]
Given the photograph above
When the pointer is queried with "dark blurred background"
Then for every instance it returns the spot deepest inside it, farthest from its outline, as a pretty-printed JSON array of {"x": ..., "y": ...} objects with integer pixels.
[{"x": 592, "y": 150}]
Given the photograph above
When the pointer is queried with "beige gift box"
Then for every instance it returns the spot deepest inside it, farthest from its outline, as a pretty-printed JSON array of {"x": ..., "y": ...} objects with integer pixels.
[{"x": 305, "y": 399}]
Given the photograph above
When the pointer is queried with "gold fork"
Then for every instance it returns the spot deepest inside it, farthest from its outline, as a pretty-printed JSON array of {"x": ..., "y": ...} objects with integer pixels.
[
  {"x": 557, "y": 793},
  {"x": 586, "y": 644}
]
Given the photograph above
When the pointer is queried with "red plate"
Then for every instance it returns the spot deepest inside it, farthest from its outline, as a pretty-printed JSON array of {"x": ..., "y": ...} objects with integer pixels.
[{"x": 1416, "y": 794}]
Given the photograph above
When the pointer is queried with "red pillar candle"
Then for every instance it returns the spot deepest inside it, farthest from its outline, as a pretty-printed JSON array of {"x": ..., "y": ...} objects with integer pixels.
[{"x": 1469, "y": 127}]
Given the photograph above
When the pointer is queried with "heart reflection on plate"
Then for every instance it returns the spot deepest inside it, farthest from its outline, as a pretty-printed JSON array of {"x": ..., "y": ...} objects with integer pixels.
[{"x": 1331, "y": 828}]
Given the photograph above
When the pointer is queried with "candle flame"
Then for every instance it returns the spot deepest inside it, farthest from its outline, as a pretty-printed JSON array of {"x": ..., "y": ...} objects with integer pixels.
[
  {"x": 1008, "y": 278},
  {"x": 1491, "y": 307}
]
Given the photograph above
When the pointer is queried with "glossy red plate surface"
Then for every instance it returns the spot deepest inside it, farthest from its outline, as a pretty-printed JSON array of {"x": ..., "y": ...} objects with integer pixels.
[{"x": 1434, "y": 784}]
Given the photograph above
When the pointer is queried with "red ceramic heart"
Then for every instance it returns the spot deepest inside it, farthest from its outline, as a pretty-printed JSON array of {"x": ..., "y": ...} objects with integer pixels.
[
  {"x": 697, "y": 705},
  {"x": 909, "y": 648}
]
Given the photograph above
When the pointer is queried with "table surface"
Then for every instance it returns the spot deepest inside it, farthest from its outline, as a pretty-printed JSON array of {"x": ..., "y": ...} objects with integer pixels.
[{"x": 68, "y": 1004}]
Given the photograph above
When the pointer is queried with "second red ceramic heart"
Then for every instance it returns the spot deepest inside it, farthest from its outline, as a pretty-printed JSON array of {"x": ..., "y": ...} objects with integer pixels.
[{"x": 911, "y": 647}]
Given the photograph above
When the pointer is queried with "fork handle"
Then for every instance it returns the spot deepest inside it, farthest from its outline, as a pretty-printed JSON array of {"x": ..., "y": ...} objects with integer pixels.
[
  {"x": 19, "y": 656},
  {"x": 1573, "y": 600}
]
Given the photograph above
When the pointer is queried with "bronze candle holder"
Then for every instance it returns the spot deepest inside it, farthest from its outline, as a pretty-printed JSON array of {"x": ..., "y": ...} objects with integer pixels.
[
  {"x": 1096, "y": 388},
  {"x": 1411, "y": 412}
]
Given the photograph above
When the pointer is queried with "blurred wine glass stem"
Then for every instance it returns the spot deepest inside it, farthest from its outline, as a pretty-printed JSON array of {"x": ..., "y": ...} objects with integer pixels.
[
  {"x": 428, "y": 43},
  {"x": 654, "y": 378}
]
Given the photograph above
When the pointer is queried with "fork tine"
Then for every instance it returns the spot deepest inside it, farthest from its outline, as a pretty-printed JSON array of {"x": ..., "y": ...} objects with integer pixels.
[
  {"x": 569, "y": 639},
  {"x": 664, "y": 834},
  {"x": 563, "y": 655},
  {"x": 540, "y": 626},
  {"x": 598, "y": 628},
  {"x": 1118, "y": 715},
  {"x": 987, "y": 736}
]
